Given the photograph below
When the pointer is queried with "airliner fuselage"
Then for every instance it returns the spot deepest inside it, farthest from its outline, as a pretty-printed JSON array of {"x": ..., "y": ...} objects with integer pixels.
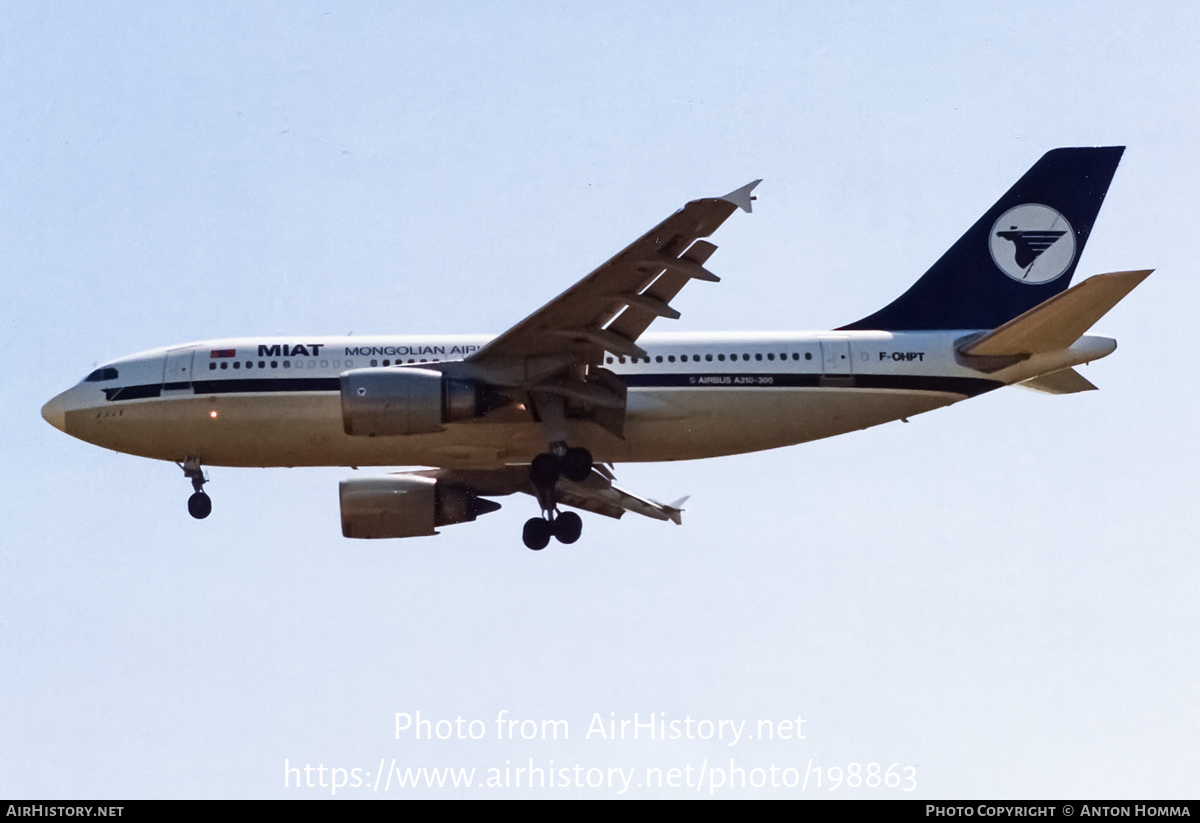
[{"x": 244, "y": 402}]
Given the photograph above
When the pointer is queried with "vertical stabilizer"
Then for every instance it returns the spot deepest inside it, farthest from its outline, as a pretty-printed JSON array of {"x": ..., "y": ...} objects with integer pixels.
[{"x": 1022, "y": 252}]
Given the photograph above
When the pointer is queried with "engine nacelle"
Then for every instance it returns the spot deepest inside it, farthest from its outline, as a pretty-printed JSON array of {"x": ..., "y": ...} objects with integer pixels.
[
  {"x": 405, "y": 505},
  {"x": 380, "y": 402}
]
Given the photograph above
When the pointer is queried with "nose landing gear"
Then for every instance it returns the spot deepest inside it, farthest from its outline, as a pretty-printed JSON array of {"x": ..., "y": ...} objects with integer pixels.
[{"x": 199, "y": 504}]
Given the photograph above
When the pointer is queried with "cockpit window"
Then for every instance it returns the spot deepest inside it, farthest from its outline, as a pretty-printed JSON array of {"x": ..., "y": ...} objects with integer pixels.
[{"x": 99, "y": 375}]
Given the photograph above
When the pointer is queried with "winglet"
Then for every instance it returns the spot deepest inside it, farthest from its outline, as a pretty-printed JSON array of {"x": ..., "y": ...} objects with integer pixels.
[
  {"x": 741, "y": 198},
  {"x": 675, "y": 510}
]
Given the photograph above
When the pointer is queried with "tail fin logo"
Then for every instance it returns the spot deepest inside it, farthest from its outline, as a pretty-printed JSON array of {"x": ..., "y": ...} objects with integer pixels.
[{"x": 1032, "y": 243}]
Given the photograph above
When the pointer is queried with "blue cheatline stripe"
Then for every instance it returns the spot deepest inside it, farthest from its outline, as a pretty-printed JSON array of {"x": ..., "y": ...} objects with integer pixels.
[
  {"x": 256, "y": 385},
  {"x": 968, "y": 386},
  {"x": 267, "y": 384}
]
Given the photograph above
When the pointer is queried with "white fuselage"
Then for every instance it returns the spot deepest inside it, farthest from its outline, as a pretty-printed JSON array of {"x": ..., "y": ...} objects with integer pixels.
[{"x": 276, "y": 401}]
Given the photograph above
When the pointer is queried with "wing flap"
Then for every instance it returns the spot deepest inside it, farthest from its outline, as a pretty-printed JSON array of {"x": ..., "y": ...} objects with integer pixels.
[
  {"x": 598, "y": 494},
  {"x": 636, "y": 318}
]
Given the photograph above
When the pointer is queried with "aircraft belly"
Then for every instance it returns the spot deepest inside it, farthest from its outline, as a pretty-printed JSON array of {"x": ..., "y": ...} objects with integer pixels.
[
  {"x": 305, "y": 429},
  {"x": 720, "y": 422}
]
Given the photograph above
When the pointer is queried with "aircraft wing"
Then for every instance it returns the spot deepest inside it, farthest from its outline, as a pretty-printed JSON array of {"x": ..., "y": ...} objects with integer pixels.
[
  {"x": 596, "y": 494},
  {"x": 611, "y": 307}
]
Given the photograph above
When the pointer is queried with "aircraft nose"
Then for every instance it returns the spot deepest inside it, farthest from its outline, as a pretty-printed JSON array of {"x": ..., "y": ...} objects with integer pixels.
[{"x": 55, "y": 413}]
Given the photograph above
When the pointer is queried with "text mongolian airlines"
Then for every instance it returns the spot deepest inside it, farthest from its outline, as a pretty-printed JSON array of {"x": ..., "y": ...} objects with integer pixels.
[{"x": 548, "y": 407}]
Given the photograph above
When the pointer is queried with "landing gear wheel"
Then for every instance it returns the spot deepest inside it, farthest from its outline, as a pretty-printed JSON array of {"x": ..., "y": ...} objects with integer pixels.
[
  {"x": 536, "y": 533},
  {"x": 544, "y": 470},
  {"x": 199, "y": 505},
  {"x": 567, "y": 527},
  {"x": 577, "y": 465}
]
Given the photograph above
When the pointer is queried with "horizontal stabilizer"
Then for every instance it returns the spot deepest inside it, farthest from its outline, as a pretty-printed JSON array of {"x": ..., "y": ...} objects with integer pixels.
[
  {"x": 1063, "y": 381},
  {"x": 1058, "y": 322}
]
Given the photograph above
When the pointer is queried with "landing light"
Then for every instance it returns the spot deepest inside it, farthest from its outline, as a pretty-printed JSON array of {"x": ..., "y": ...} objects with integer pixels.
[{"x": 213, "y": 414}]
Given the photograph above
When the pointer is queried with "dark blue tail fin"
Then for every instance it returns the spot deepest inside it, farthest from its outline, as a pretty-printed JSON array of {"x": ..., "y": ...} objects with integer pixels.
[{"x": 1022, "y": 252}]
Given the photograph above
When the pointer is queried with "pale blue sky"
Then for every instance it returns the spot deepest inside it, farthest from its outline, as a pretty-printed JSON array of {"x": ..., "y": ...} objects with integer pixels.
[{"x": 1002, "y": 594}]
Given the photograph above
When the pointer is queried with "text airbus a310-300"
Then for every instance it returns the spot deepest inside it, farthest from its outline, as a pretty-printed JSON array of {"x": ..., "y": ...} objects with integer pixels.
[{"x": 549, "y": 406}]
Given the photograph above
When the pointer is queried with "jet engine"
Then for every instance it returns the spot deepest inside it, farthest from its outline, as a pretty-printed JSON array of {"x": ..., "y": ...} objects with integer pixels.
[
  {"x": 377, "y": 402},
  {"x": 405, "y": 505}
]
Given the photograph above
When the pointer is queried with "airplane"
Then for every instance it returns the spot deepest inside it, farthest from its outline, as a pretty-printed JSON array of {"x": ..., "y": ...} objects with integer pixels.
[{"x": 549, "y": 406}]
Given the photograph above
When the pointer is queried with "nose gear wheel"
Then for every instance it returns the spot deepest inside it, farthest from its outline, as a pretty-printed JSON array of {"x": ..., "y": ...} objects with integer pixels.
[{"x": 199, "y": 504}]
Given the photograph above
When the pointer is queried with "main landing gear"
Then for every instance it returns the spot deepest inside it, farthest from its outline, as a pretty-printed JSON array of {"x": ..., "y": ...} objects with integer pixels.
[
  {"x": 199, "y": 504},
  {"x": 566, "y": 526},
  {"x": 574, "y": 464}
]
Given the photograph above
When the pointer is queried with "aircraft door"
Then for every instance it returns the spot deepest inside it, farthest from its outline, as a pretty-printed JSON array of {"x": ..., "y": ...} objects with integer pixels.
[
  {"x": 835, "y": 355},
  {"x": 177, "y": 369}
]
